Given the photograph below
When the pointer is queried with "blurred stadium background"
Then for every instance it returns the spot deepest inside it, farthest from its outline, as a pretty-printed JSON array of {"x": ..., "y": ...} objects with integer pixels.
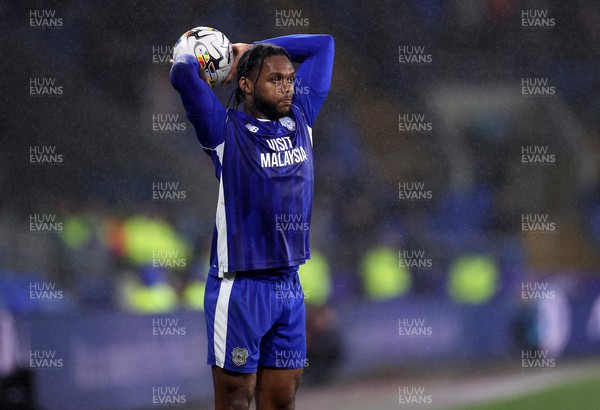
[{"x": 456, "y": 222}]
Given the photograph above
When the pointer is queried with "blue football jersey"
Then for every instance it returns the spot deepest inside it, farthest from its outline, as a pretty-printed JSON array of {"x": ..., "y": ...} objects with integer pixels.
[{"x": 265, "y": 193}]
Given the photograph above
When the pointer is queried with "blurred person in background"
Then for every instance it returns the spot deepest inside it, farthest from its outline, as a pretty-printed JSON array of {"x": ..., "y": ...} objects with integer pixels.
[
  {"x": 16, "y": 382},
  {"x": 151, "y": 293},
  {"x": 323, "y": 342},
  {"x": 382, "y": 276}
]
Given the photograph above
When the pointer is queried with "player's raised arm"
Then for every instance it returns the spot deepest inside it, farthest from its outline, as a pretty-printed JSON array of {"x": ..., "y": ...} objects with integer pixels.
[
  {"x": 202, "y": 107},
  {"x": 315, "y": 54}
]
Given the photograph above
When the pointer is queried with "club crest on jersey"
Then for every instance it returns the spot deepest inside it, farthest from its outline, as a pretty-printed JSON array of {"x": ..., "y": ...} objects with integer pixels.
[
  {"x": 252, "y": 128},
  {"x": 239, "y": 356},
  {"x": 288, "y": 123}
]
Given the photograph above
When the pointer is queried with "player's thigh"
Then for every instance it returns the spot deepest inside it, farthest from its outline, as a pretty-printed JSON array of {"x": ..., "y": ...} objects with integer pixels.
[
  {"x": 284, "y": 345},
  {"x": 233, "y": 390},
  {"x": 276, "y": 388},
  {"x": 238, "y": 314}
]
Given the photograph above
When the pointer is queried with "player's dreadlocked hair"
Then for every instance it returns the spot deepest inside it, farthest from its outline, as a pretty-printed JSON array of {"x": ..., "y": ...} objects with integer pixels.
[{"x": 252, "y": 60}]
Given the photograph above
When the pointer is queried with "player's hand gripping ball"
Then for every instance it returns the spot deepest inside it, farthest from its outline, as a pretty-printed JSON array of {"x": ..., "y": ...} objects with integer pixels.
[{"x": 211, "y": 48}]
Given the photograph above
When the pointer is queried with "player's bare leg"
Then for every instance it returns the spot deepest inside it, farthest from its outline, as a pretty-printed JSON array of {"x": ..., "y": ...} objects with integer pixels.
[
  {"x": 233, "y": 390},
  {"x": 276, "y": 388}
]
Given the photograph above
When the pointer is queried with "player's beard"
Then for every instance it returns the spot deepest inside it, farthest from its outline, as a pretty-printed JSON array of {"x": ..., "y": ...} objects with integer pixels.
[{"x": 268, "y": 109}]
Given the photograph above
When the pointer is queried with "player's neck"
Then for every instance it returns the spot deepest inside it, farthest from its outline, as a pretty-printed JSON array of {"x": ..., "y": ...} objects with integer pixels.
[{"x": 251, "y": 110}]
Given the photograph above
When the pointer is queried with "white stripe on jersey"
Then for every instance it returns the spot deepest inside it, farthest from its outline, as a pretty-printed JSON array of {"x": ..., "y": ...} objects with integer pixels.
[
  {"x": 221, "y": 316},
  {"x": 310, "y": 135},
  {"x": 221, "y": 220},
  {"x": 219, "y": 149}
]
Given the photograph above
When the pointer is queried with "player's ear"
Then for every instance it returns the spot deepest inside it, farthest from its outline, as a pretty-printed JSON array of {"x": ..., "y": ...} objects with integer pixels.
[{"x": 245, "y": 85}]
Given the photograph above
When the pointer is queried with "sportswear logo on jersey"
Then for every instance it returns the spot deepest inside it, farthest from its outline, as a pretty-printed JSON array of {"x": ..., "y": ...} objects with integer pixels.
[
  {"x": 252, "y": 128},
  {"x": 288, "y": 123},
  {"x": 239, "y": 356}
]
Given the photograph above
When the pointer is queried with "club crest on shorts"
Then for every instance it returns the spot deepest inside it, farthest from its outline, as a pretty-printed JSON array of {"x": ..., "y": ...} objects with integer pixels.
[
  {"x": 239, "y": 356},
  {"x": 288, "y": 123}
]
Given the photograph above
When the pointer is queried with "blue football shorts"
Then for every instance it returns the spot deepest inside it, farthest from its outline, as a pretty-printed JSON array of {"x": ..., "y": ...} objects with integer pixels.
[{"x": 256, "y": 319}]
